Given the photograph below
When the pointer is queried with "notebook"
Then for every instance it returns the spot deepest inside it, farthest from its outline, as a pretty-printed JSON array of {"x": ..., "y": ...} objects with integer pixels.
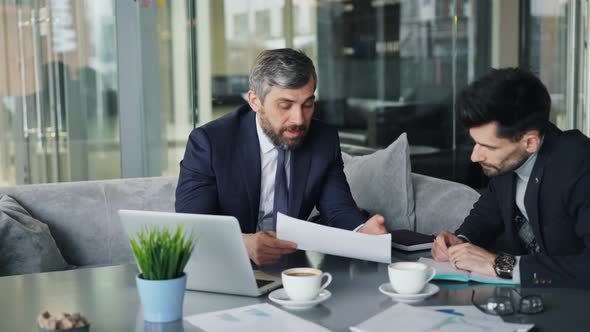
[
  {"x": 445, "y": 271},
  {"x": 407, "y": 240}
]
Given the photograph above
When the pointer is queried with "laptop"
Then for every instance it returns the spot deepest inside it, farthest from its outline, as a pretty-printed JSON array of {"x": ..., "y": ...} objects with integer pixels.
[{"x": 219, "y": 262}]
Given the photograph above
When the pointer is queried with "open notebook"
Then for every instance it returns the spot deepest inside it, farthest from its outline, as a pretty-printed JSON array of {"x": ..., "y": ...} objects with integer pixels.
[{"x": 445, "y": 271}]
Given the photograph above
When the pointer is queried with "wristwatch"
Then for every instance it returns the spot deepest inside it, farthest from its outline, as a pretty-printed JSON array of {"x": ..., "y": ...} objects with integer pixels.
[{"x": 504, "y": 265}]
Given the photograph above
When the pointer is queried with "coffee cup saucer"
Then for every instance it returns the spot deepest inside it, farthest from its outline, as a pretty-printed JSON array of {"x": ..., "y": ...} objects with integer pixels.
[
  {"x": 280, "y": 296},
  {"x": 428, "y": 290}
]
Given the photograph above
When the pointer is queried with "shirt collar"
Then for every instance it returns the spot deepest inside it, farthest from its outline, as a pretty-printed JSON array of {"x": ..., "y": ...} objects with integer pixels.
[
  {"x": 525, "y": 170},
  {"x": 265, "y": 143}
]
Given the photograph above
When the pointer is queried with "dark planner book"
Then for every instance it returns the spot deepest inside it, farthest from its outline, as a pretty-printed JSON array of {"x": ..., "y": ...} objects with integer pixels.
[{"x": 407, "y": 240}]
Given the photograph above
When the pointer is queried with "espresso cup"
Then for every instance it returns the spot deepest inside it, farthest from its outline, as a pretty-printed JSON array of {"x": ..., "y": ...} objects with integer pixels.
[
  {"x": 303, "y": 283},
  {"x": 409, "y": 277}
]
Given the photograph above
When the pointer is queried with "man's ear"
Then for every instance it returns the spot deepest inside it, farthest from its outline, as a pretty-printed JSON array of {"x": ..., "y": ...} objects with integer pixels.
[
  {"x": 532, "y": 141},
  {"x": 254, "y": 101}
]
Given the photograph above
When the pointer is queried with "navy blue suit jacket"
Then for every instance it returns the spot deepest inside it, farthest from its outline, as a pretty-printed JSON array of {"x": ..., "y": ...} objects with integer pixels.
[
  {"x": 557, "y": 200},
  {"x": 220, "y": 174}
]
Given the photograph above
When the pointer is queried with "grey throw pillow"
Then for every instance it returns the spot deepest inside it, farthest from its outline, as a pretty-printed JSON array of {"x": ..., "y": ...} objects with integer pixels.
[
  {"x": 26, "y": 245},
  {"x": 381, "y": 183}
]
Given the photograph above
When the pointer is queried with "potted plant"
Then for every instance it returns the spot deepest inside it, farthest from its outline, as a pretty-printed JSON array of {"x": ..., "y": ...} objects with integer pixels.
[{"x": 162, "y": 255}]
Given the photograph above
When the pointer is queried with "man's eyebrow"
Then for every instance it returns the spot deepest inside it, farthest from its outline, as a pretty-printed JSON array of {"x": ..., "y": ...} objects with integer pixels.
[
  {"x": 482, "y": 144},
  {"x": 486, "y": 145},
  {"x": 283, "y": 100},
  {"x": 287, "y": 100}
]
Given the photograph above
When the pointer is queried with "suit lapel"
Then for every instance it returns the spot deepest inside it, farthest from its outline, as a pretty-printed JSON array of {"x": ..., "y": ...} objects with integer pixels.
[
  {"x": 300, "y": 160},
  {"x": 531, "y": 200},
  {"x": 531, "y": 196},
  {"x": 249, "y": 158}
]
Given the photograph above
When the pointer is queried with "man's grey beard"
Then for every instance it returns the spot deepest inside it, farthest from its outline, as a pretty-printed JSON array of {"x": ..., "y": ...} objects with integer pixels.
[{"x": 276, "y": 139}]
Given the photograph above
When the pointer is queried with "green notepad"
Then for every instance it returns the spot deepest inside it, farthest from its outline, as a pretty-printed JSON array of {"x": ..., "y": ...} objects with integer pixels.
[{"x": 445, "y": 271}]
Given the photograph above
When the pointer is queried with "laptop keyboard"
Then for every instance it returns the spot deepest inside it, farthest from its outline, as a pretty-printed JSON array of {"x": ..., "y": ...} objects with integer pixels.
[{"x": 261, "y": 283}]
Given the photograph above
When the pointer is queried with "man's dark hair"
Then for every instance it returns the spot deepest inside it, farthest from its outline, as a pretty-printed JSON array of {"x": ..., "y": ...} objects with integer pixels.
[
  {"x": 286, "y": 68},
  {"x": 513, "y": 97}
]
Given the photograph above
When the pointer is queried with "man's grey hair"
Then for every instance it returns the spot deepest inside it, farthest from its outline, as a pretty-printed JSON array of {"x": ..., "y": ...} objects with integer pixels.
[{"x": 286, "y": 68}]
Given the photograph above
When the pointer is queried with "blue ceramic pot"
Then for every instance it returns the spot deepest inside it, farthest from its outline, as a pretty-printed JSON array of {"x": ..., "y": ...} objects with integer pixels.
[{"x": 161, "y": 299}]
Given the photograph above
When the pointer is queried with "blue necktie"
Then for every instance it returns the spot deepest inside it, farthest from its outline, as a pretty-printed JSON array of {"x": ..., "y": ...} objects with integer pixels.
[{"x": 281, "y": 200}]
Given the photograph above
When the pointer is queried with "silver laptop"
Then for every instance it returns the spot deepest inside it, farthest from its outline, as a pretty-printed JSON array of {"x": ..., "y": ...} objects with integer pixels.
[{"x": 219, "y": 262}]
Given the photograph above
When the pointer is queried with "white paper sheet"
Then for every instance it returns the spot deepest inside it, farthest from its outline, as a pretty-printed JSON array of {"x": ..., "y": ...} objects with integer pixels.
[
  {"x": 253, "y": 318},
  {"x": 403, "y": 317},
  {"x": 334, "y": 241}
]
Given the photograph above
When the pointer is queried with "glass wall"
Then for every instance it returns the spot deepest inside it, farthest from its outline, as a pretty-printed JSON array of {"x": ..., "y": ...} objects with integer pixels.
[
  {"x": 544, "y": 50},
  {"x": 174, "y": 26},
  {"x": 388, "y": 67},
  {"x": 58, "y": 91},
  {"x": 385, "y": 67}
]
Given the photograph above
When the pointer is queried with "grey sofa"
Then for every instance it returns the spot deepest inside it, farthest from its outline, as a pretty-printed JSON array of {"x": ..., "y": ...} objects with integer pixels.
[{"x": 82, "y": 216}]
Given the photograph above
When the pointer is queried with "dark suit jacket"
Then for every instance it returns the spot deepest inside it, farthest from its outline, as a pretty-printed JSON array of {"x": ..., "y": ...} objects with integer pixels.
[
  {"x": 557, "y": 201},
  {"x": 220, "y": 174}
]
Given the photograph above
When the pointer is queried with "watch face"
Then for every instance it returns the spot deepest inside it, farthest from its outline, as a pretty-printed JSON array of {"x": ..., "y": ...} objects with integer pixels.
[
  {"x": 505, "y": 260},
  {"x": 504, "y": 264}
]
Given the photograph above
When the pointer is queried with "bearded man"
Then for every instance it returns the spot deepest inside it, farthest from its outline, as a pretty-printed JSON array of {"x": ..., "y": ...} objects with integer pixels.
[
  {"x": 536, "y": 211},
  {"x": 270, "y": 156}
]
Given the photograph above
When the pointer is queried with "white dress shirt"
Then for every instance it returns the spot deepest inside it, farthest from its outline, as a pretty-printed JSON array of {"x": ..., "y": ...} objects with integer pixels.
[{"x": 268, "y": 164}]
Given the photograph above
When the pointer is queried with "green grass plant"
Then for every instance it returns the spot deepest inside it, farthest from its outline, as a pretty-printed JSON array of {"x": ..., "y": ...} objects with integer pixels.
[{"x": 161, "y": 253}]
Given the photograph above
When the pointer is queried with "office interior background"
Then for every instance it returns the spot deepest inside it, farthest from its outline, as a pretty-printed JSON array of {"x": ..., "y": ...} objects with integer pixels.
[{"x": 107, "y": 89}]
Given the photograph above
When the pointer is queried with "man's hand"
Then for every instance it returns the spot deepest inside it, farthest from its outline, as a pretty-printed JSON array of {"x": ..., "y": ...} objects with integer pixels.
[
  {"x": 470, "y": 257},
  {"x": 441, "y": 245},
  {"x": 264, "y": 248},
  {"x": 375, "y": 225}
]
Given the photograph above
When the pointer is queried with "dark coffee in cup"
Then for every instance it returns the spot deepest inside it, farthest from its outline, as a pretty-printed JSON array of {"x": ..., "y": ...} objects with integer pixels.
[{"x": 302, "y": 274}]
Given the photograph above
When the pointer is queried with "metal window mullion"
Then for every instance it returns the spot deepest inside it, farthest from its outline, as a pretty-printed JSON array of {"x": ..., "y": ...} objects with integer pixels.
[
  {"x": 586, "y": 54},
  {"x": 37, "y": 71},
  {"x": 139, "y": 93},
  {"x": 23, "y": 175},
  {"x": 53, "y": 88},
  {"x": 204, "y": 61},
  {"x": 130, "y": 85},
  {"x": 571, "y": 64}
]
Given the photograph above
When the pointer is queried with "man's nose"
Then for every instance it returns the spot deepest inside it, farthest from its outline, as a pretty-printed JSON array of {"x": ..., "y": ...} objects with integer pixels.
[
  {"x": 296, "y": 116},
  {"x": 476, "y": 155}
]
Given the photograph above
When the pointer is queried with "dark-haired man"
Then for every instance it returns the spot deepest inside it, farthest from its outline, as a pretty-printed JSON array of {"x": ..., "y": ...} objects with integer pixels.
[
  {"x": 536, "y": 210},
  {"x": 270, "y": 156}
]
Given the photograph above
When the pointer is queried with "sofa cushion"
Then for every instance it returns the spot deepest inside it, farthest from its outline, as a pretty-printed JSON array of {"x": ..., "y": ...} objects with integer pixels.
[
  {"x": 148, "y": 194},
  {"x": 381, "y": 183},
  {"x": 26, "y": 244},
  {"x": 441, "y": 204}
]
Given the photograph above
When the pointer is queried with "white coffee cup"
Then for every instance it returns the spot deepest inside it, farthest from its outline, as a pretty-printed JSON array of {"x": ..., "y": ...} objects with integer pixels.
[
  {"x": 409, "y": 277},
  {"x": 303, "y": 283}
]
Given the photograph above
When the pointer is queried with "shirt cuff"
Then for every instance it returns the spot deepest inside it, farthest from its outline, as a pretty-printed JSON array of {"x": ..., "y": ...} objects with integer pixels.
[
  {"x": 358, "y": 227},
  {"x": 516, "y": 271}
]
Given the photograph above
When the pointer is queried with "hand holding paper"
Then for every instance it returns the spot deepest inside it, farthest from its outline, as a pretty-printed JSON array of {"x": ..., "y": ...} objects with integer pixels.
[{"x": 334, "y": 241}]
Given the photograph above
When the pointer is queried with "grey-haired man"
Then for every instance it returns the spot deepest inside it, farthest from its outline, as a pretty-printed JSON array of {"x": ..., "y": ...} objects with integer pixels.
[{"x": 270, "y": 156}]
